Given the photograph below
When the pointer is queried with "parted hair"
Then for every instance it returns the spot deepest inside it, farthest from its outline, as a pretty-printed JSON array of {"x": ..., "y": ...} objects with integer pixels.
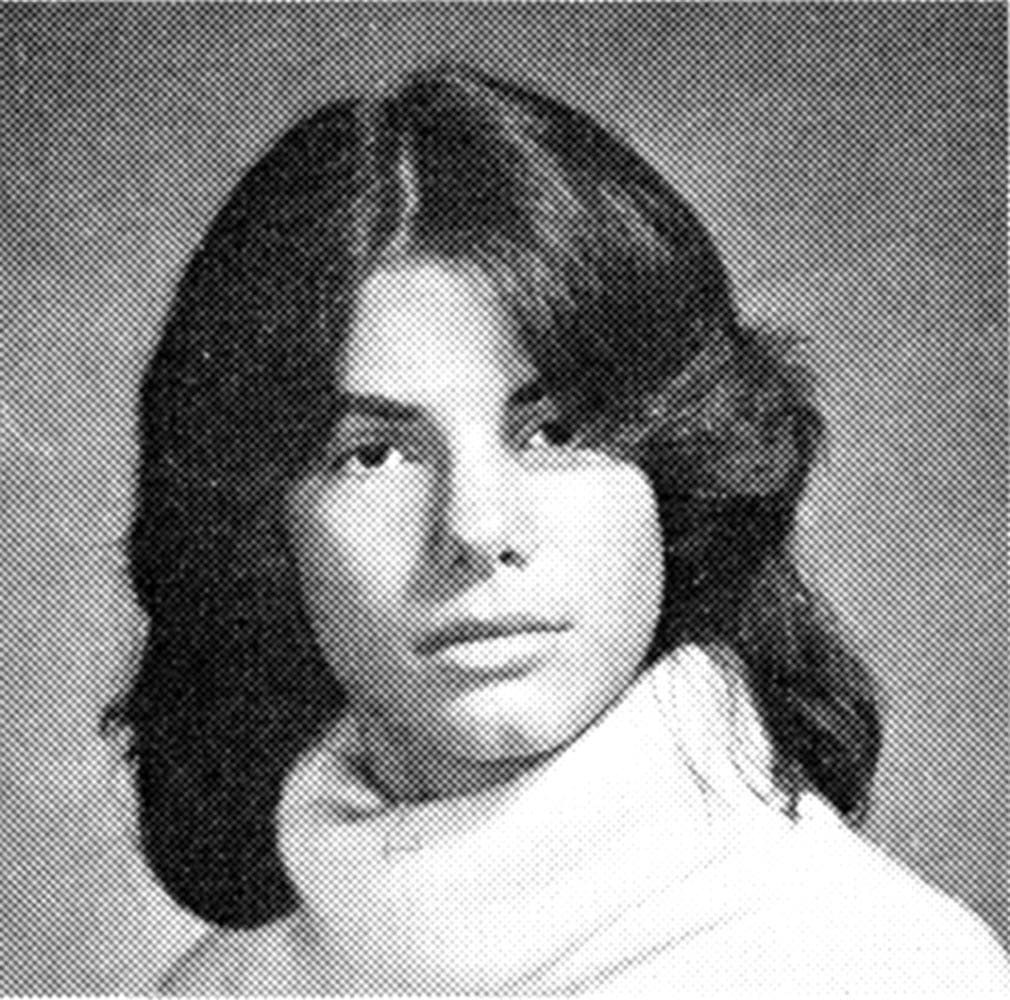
[{"x": 622, "y": 301}]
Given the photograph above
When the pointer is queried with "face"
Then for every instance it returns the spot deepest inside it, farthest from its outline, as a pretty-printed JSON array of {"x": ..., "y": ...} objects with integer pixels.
[{"x": 475, "y": 579}]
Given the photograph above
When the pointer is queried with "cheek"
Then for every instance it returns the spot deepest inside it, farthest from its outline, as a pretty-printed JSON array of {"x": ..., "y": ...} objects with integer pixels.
[
  {"x": 609, "y": 512},
  {"x": 358, "y": 549},
  {"x": 604, "y": 523},
  {"x": 353, "y": 561}
]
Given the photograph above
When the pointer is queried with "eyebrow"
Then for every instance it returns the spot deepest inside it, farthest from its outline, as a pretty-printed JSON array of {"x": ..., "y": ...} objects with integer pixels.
[{"x": 381, "y": 407}]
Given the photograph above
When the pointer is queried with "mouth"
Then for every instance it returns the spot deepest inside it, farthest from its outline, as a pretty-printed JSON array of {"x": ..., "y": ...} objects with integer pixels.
[
  {"x": 474, "y": 631},
  {"x": 509, "y": 655},
  {"x": 504, "y": 646}
]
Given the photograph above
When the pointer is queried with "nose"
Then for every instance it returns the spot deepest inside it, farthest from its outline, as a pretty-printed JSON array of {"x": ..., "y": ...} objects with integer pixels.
[{"x": 481, "y": 519}]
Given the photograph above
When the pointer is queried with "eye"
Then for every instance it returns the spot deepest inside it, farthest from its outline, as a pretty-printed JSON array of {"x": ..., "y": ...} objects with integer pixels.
[
  {"x": 550, "y": 434},
  {"x": 367, "y": 459}
]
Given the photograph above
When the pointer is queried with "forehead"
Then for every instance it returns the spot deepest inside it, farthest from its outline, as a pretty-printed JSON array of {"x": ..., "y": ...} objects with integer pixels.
[{"x": 428, "y": 333}]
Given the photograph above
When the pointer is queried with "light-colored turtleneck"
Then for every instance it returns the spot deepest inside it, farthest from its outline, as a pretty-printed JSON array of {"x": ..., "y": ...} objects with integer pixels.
[{"x": 650, "y": 854}]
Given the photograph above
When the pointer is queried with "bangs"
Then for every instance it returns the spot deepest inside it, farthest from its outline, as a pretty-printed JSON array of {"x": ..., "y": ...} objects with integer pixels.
[{"x": 609, "y": 280}]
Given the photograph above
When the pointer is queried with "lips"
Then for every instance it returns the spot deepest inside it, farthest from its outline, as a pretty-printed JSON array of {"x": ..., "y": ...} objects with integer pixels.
[{"x": 476, "y": 629}]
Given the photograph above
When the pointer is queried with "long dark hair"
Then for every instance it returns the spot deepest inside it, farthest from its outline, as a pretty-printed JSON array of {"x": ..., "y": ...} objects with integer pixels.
[{"x": 623, "y": 303}]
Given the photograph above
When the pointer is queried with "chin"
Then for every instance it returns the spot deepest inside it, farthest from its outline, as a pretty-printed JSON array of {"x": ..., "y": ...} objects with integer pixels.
[{"x": 515, "y": 720}]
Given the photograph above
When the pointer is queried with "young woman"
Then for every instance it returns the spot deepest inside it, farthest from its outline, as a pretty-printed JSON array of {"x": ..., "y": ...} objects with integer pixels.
[{"x": 478, "y": 661}]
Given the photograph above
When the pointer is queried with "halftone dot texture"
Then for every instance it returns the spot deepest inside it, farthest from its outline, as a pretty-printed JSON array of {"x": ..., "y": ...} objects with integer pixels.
[{"x": 850, "y": 162}]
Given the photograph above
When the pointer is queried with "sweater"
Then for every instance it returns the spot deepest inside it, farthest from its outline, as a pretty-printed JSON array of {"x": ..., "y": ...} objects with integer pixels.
[{"x": 652, "y": 853}]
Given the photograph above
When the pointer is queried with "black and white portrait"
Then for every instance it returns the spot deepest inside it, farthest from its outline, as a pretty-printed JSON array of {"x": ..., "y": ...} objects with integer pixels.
[{"x": 503, "y": 499}]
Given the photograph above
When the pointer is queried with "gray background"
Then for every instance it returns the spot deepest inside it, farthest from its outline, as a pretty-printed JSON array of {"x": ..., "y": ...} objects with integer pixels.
[{"x": 850, "y": 161}]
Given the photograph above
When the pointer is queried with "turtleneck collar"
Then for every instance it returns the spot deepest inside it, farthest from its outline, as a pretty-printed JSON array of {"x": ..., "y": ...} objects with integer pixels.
[{"x": 484, "y": 892}]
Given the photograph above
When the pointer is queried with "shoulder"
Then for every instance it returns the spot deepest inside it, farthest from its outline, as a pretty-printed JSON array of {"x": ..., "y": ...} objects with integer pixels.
[
  {"x": 800, "y": 908},
  {"x": 817, "y": 910},
  {"x": 849, "y": 914},
  {"x": 234, "y": 962}
]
